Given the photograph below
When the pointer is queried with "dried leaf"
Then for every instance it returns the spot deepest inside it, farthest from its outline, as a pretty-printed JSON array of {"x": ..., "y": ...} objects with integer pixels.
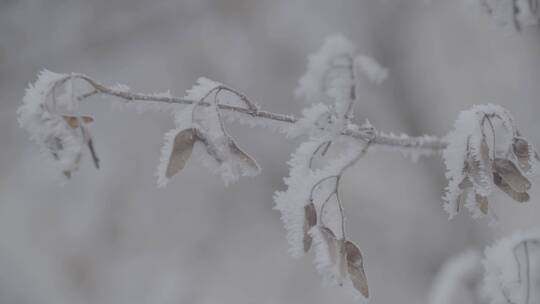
[
  {"x": 182, "y": 148},
  {"x": 355, "y": 268},
  {"x": 310, "y": 220},
  {"x": 520, "y": 147},
  {"x": 511, "y": 175},
  {"x": 248, "y": 160},
  {"x": 503, "y": 185},
  {"x": 482, "y": 203},
  {"x": 73, "y": 121}
]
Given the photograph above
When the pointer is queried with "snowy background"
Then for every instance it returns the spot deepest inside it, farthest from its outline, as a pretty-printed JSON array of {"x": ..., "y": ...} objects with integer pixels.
[{"x": 112, "y": 237}]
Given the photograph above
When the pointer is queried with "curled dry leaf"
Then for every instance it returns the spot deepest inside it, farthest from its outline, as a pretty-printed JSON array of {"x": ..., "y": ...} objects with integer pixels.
[
  {"x": 310, "y": 220},
  {"x": 181, "y": 152},
  {"x": 505, "y": 187},
  {"x": 511, "y": 175},
  {"x": 355, "y": 267}
]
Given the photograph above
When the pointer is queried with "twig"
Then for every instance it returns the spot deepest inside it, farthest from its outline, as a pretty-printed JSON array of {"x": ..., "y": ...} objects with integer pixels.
[{"x": 376, "y": 138}]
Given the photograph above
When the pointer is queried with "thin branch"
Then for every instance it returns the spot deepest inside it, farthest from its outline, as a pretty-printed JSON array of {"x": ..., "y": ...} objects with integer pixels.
[{"x": 426, "y": 144}]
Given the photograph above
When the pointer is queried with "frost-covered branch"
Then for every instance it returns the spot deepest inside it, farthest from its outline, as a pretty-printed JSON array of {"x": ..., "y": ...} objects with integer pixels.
[{"x": 484, "y": 151}]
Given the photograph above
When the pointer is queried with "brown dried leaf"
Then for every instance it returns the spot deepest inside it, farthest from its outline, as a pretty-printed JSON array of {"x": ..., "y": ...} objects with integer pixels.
[
  {"x": 521, "y": 150},
  {"x": 248, "y": 160},
  {"x": 73, "y": 121},
  {"x": 520, "y": 197},
  {"x": 355, "y": 268},
  {"x": 310, "y": 220},
  {"x": 182, "y": 148},
  {"x": 511, "y": 175},
  {"x": 482, "y": 203}
]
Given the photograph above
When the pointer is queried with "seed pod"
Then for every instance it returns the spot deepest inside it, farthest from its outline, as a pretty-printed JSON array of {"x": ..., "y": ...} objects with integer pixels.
[
  {"x": 181, "y": 152},
  {"x": 310, "y": 220},
  {"x": 511, "y": 175},
  {"x": 243, "y": 156},
  {"x": 503, "y": 185},
  {"x": 520, "y": 147},
  {"x": 355, "y": 268},
  {"x": 482, "y": 203}
]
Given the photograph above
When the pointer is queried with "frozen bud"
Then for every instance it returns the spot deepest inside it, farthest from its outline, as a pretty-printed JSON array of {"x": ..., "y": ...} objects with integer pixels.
[
  {"x": 511, "y": 175},
  {"x": 505, "y": 187},
  {"x": 310, "y": 220}
]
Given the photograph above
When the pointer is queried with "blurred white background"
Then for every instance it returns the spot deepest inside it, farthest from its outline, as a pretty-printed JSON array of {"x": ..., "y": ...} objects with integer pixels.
[{"x": 111, "y": 237}]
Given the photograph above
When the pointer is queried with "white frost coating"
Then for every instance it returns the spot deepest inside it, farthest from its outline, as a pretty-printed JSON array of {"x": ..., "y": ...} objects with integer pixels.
[
  {"x": 201, "y": 89},
  {"x": 458, "y": 282},
  {"x": 313, "y": 117},
  {"x": 49, "y": 130},
  {"x": 252, "y": 122},
  {"x": 512, "y": 269},
  {"x": 312, "y": 86},
  {"x": 371, "y": 68},
  {"x": 412, "y": 152},
  {"x": 300, "y": 183}
]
